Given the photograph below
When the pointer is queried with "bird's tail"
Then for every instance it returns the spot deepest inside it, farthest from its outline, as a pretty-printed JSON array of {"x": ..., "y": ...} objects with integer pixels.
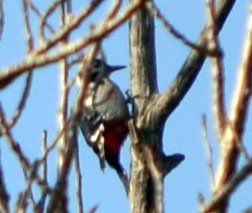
[{"x": 123, "y": 176}]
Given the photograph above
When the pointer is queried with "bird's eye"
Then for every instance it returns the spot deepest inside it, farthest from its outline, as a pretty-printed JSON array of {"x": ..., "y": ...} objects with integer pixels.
[
  {"x": 93, "y": 76},
  {"x": 97, "y": 64}
]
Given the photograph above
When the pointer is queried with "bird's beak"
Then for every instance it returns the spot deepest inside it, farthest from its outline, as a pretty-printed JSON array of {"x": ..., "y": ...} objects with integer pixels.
[{"x": 115, "y": 68}]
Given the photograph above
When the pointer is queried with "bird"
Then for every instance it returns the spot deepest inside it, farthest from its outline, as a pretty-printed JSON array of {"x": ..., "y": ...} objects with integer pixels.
[{"x": 104, "y": 117}]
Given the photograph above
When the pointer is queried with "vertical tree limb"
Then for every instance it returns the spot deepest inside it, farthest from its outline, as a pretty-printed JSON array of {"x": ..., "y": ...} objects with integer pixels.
[
  {"x": 78, "y": 181},
  {"x": 149, "y": 163},
  {"x": 4, "y": 196},
  {"x": 217, "y": 70},
  {"x": 235, "y": 127},
  {"x": 58, "y": 201},
  {"x": 64, "y": 90},
  {"x": 142, "y": 193}
]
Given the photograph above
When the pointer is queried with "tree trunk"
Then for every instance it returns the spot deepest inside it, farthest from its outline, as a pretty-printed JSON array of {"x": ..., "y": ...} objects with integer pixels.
[
  {"x": 149, "y": 164},
  {"x": 145, "y": 192}
]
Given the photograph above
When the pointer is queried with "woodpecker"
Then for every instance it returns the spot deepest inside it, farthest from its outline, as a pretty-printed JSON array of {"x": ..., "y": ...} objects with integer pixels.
[{"x": 104, "y": 117}]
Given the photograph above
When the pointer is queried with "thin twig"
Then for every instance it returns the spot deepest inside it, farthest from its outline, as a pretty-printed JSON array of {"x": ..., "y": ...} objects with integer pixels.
[
  {"x": 22, "y": 102},
  {"x": 40, "y": 205},
  {"x": 155, "y": 11},
  {"x": 1, "y": 18},
  {"x": 15, "y": 147},
  {"x": 58, "y": 200},
  {"x": 39, "y": 59},
  {"x": 26, "y": 165},
  {"x": 228, "y": 188},
  {"x": 54, "y": 143},
  {"x": 209, "y": 148},
  {"x": 27, "y": 27},
  {"x": 189, "y": 71},
  {"x": 238, "y": 114},
  {"x": 44, "y": 149},
  {"x": 217, "y": 71},
  {"x": 235, "y": 127},
  {"x": 76, "y": 60},
  {"x": 21, "y": 204},
  {"x": 78, "y": 181},
  {"x": 64, "y": 92},
  {"x": 243, "y": 150},
  {"x": 29, "y": 193},
  {"x": 28, "y": 83},
  {"x": 240, "y": 145},
  {"x": 93, "y": 209},
  {"x": 38, "y": 13},
  {"x": 114, "y": 9},
  {"x": 4, "y": 196},
  {"x": 73, "y": 24},
  {"x": 44, "y": 18}
]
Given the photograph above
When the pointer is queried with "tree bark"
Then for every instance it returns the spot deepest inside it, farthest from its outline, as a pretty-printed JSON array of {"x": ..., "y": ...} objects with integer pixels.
[
  {"x": 144, "y": 193},
  {"x": 149, "y": 164},
  {"x": 151, "y": 109}
]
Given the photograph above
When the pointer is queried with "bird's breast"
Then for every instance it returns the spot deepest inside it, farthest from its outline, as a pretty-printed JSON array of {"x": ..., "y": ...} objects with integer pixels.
[{"x": 108, "y": 100}]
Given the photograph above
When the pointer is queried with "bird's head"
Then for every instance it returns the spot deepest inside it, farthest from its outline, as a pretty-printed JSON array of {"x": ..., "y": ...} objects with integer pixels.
[{"x": 100, "y": 69}]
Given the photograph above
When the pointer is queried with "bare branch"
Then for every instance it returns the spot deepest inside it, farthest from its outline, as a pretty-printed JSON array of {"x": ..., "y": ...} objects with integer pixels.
[
  {"x": 244, "y": 84},
  {"x": 27, "y": 27},
  {"x": 218, "y": 77},
  {"x": 191, "y": 67},
  {"x": 37, "y": 59},
  {"x": 237, "y": 118},
  {"x": 4, "y": 196},
  {"x": 22, "y": 102},
  {"x": 149, "y": 163},
  {"x": 247, "y": 210},
  {"x": 54, "y": 143},
  {"x": 78, "y": 181},
  {"x": 234, "y": 129},
  {"x": 58, "y": 199},
  {"x": 209, "y": 149},
  {"x": 243, "y": 150},
  {"x": 40, "y": 205},
  {"x": 93, "y": 210},
  {"x": 64, "y": 92},
  {"x": 226, "y": 191},
  {"x": 28, "y": 83},
  {"x": 155, "y": 11},
  {"x": 114, "y": 9},
  {"x": 44, "y": 18},
  {"x": 44, "y": 149},
  {"x": 21, "y": 205},
  {"x": 37, "y": 12},
  {"x": 12, "y": 143},
  {"x": 23, "y": 160},
  {"x": 73, "y": 24},
  {"x": 1, "y": 18},
  {"x": 143, "y": 70}
]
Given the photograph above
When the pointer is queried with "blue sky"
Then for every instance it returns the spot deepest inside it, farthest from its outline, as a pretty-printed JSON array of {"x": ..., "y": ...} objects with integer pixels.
[{"x": 182, "y": 134}]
